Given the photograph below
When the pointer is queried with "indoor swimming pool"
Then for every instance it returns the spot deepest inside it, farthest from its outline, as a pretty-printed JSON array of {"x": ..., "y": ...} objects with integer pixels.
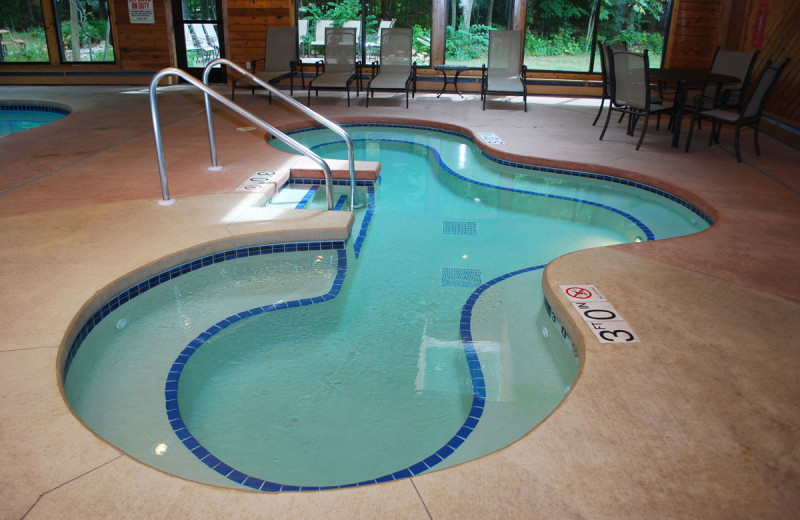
[
  {"x": 421, "y": 342},
  {"x": 15, "y": 117}
]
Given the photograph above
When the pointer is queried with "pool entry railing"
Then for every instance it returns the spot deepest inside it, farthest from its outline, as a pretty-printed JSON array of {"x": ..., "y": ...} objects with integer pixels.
[
  {"x": 208, "y": 91},
  {"x": 291, "y": 102}
]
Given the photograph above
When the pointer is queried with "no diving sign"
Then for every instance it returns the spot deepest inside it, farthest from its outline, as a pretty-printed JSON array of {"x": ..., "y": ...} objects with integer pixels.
[{"x": 602, "y": 318}]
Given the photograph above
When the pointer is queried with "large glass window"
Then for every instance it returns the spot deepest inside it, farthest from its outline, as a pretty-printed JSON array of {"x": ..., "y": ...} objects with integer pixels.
[
  {"x": 315, "y": 15},
  {"x": 84, "y": 30},
  {"x": 560, "y": 34},
  {"x": 468, "y": 26},
  {"x": 22, "y": 38}
]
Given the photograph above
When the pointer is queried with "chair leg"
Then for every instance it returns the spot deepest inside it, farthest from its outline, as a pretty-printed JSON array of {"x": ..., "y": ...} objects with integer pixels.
[
  {"x": 309, "y": 95},
  {"x": 755, "y": 138},
  {"x": 602, "y": 100},
  {"x": 605, "y": 126},
  {"x": 689, "y": 135},
  {"x": 525, "y": 100},
  {"x": 644, "y": 130},
  {"x": 348, "y": 96},
  {"x": 736, "y": 144}
]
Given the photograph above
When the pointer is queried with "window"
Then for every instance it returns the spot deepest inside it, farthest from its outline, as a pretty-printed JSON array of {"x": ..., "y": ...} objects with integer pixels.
[
  {"x": 84, "y": 30},
  {"x": 368, "y": 19},
  {"x": 22, "y": 37},
  {"x": 468, "y": 26},
  {"x": 561, "y": 34}
]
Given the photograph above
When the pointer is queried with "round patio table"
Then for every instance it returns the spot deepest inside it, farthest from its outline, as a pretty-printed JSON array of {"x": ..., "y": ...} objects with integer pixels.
[
  {"x": 454, "y": 80},
  {"x": 682, "y": 78}
]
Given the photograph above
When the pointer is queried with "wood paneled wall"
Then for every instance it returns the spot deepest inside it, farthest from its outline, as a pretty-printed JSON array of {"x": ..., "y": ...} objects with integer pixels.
[{"x": 247, "y": 26}]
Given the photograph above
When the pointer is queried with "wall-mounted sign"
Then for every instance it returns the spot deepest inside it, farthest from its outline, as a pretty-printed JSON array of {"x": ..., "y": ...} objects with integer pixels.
[
  {"x": 141, "y": 11},
  {"x": 761, "y": 24}
]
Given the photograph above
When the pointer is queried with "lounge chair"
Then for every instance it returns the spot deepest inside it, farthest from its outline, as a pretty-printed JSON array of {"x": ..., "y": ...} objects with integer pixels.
[
  {"x": 374, "y": 48},
  {"x": 340, "y": 67},
  {"x": 506, "y": 72},
  {"x": 280, "y": 61},
  {"x": 748, "y": 114},
  {"x": 397, "y": 73},
  {"x": 302, "y": 36},
  {"x": 319, "y": 34},
  {"x": 208, "y": 50},
  {"x": 631, "y": 90},
  {"x": 354, "y": 24}
]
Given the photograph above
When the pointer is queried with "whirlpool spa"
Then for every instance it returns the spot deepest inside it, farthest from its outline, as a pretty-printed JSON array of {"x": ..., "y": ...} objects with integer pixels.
[{"x": 421, "y": 342}]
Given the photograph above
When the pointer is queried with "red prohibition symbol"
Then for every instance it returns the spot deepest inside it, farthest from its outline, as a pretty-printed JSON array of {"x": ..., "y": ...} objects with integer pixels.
[{"x": 579, "y": 293}]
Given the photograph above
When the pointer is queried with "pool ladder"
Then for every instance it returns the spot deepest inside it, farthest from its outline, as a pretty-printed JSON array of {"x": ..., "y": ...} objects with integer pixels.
[{"x": 208, "y": 93}]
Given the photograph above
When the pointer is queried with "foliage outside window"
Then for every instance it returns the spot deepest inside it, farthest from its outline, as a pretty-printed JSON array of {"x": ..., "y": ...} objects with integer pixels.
[
  {"x": 415, "y": 14},
  {"x": 84, "y": 30},
  {"x": 468, "y": 26},
  {"x": 560, "y": 33},
  {"x": 24, "y": 41}
]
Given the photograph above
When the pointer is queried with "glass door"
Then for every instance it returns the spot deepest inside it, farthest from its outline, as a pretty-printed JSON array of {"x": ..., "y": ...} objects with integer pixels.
[{"x": 198, "y": 36}]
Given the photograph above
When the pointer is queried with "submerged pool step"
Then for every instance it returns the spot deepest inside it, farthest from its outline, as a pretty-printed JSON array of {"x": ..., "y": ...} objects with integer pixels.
[{"x": 305, "y": 197}]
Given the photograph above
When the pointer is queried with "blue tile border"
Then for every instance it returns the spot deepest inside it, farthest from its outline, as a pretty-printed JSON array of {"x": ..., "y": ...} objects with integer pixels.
[
  {"x": 649, "y": 235},
  {"x": 145, "y": 285},
  {"x": 469, "y": 425},
  {"x": 28, "y": 107},
  {"x": 561, "y": 171}
]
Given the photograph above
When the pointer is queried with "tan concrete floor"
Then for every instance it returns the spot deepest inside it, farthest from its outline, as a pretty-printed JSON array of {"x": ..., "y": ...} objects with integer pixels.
[{"x": 699, "y": 420}]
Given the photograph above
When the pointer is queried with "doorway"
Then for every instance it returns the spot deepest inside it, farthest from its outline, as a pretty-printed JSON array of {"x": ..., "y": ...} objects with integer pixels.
[{"x": 198, "y": 36}]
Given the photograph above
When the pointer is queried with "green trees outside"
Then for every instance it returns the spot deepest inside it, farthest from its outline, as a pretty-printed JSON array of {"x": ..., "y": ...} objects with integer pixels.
[
  {"x": 84, "y": 26},
  {"x": 559, "y": 34}
]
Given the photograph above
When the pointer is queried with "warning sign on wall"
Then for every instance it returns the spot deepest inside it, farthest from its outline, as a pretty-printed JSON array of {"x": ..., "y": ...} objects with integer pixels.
[{"x": 141, "y": 11}]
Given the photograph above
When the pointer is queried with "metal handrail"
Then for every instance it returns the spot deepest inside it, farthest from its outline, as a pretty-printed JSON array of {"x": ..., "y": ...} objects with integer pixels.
[
  {"x": 291, "y": 101},
  {"x": 236, "y": 108}
]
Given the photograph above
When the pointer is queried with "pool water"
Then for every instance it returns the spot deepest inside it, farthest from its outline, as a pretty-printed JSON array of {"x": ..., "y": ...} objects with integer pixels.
[
  {"x": 422, "y": 342},
  {"x": 17, "y": 117}
]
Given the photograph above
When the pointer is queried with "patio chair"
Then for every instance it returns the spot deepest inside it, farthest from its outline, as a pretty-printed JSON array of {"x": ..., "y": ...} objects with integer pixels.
[
  {"x": 211, "y": 37},
  {"x": 748, "y": 114},
  {"x": 506, "y": 73},
  {"x": 397, "y": 73},
  {"x": 340, "y": 67},
  {"x": 354, "y": 24},
  {"x": 606, "y": 75},
  {"x": 319, "y": 34},
  {"x": 730, "y": 95},
  {"x": 374, "y": 48},
  {"x": 631, "y": 91},
  {"x": 280, "y": 61},
  {"x": 302, "y": 35},
  {"x": 209, "y": 52}
]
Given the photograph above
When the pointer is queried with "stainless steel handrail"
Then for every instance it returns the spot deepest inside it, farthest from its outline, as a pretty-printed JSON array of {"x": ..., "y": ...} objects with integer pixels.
[
  {"x": 236, "y": 108},
  {"x": 291, "y": 101}
]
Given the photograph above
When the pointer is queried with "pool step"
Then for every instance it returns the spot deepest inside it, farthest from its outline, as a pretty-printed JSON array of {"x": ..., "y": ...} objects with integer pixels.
[{"x": 305, "y": 197}]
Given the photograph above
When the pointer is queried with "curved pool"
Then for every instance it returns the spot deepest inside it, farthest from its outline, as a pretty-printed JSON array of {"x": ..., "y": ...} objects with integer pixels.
[
  {"x": 422, "y": 342},
  {"x": 15, "y": 117}
]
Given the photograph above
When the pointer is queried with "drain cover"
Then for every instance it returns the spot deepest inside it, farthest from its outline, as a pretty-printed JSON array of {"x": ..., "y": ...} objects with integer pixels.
[
  {"x": 460, "y": 277},
  {"x": 453, "y": 227}
]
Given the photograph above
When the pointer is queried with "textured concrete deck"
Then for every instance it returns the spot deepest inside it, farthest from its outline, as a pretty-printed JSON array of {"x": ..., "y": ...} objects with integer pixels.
[{"x": 699, "y": 420}]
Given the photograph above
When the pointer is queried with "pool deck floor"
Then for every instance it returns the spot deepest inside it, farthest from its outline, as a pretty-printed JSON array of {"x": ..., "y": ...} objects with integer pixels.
[{"x": 701, "y": 419}]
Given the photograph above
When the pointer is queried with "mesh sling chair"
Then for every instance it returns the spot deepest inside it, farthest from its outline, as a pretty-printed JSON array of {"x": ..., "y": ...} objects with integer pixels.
[
  {"x": 505, "y": 74},
  {"x": 396, "y": 73},
  {"x": 729, "y": 95},
  {"x": 280, "y": 61},
  {"x": 320, "y": 26},
  {"x": 606, "y": 75},
  {"x": 748, "y": 114},
  {"x": 630, "y": 90},
  {"x": 340, "y": 67}
]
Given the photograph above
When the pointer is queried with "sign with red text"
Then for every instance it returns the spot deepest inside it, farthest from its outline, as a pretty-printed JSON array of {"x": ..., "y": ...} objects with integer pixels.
[
  {"x": 141, "y": 11},
  {"x": 607, "y": 325}
]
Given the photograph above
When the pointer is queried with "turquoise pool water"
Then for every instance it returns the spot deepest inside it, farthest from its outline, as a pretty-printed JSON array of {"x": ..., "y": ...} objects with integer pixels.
[
  {"x": 422, "y": 342},
  {"x": 17, "y": 116}
]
